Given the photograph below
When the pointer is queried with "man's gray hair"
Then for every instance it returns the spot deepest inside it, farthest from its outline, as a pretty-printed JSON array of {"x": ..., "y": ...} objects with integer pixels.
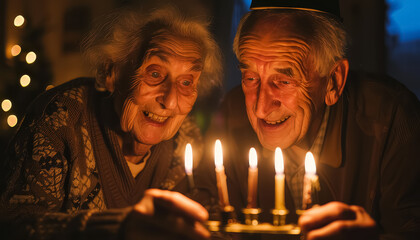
[
  {"x": 122, "y": 38},
  {"x": 325, "y": 35}
]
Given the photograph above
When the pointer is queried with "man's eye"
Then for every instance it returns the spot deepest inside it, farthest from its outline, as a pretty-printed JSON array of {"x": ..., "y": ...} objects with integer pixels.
[{"x": 155, "y": 74}]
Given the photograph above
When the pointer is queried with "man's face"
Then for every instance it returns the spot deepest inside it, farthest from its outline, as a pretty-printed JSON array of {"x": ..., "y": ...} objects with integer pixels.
[
  {"x": 162, "y": 92},
  {"x": 283, "y": 94}
]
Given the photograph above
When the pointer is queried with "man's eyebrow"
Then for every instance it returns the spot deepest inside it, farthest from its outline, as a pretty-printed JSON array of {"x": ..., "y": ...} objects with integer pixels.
[
  {"x": 286, "y": 71},
  {"x": 243, "y": 66}
]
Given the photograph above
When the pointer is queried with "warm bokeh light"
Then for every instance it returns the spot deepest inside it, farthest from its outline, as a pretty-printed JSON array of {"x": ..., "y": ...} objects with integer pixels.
[
  {"x": 19, "y": 20},
  {"x": 25, "y": 80},
  {"x": 278, "y": 161},
  {"x": 12, "y": 120},
  {"x": 30, "y": 57},
  {"x": 16, "y": 49},
  {"x": 218, "y": 154},
  {"x": 6, "y": 105},
  {"x": 49, "y": 87},
  {"x": 188, "y": 159},
  {"x": 310, "y": 167},
  {"x": 253, "y": 160}
]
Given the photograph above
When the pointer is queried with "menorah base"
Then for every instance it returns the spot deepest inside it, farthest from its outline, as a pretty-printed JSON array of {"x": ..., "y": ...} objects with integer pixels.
[{"x": 261, "y": 228}]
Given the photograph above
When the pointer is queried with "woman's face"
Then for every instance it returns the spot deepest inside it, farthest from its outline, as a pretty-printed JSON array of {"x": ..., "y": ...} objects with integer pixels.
[{"x": 162, "y": 91}]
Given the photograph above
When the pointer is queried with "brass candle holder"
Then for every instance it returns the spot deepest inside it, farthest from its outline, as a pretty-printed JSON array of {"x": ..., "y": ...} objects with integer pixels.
[
  {"x": 251, "y": 215},
  {"x": 279, "y": 216},
  {"x": 228, "y": 215},
  {"x": 252, "y": 225}
]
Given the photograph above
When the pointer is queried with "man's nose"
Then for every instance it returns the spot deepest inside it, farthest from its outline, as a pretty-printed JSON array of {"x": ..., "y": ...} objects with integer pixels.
[
  {"x": 266, "y": 101},
  {"x": 168, "y": 98}
]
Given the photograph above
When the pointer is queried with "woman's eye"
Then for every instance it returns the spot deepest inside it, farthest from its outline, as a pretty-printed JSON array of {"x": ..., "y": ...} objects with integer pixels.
[
  {"x": 155, "y": 74},
  {"x": 186, "y": 83},
  {"x": 285, "y": 82}
]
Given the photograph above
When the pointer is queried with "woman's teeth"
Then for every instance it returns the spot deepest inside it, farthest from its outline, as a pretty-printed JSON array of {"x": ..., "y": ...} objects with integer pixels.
[
  {"x": 277, "y": 122},
  {"x": 155, "y": 117}
]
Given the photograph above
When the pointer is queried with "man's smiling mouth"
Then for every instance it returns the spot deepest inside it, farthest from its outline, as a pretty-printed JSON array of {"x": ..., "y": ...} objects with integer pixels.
[
  {"x": 155, "y": 117},
  {"x": 276, "y": 122}
]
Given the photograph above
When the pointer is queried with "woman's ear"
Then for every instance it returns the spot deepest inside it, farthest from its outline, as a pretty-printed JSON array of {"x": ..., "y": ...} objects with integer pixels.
[
  {"x": 336, "y": 81},
  {"x": 110, "y": 77}
]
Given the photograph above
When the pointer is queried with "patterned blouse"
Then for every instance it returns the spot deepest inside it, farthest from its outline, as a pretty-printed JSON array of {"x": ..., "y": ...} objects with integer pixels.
[{"x": 64, "y": 172}]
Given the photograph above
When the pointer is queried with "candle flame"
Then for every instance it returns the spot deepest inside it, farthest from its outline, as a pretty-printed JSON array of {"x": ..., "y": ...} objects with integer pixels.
[
  {"x": 218, "y": 154},
  {"x": 253, "y": 159},
  {"x": 278, "y": 161},
  {"x": 310, "y": 167},
  {"x": 188, "y": 159}
]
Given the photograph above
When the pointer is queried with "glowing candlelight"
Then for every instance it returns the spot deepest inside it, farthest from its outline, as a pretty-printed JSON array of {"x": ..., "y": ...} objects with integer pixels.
[
  {"x": 189, "y": 165},
  {"x": 279, "y": 180},
  {"x": 220, "y": 174},
  {"x": 252, "y": 178},
  {"x": 309, "y": 180}
]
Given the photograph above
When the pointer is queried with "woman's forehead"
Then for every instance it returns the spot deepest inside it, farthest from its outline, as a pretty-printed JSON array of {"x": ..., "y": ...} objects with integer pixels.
[{"x": 175, "y": 46}]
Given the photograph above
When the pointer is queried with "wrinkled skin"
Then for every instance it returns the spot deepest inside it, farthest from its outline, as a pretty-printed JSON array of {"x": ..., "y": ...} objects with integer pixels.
[
  {"x": 285, "y": 100},
  {"x": 152, "y": 104},
  {"x": 183, "y": 214},
  {"x": 160, "y": 95},
  {"x": 284, "y": 96},
  {"x": 336, "y": 220}
]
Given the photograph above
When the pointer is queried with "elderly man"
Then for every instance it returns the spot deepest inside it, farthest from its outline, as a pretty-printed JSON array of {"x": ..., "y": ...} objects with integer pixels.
[
  {"x": 297, "y": 94},
  {"x": 87, "y": 152}
]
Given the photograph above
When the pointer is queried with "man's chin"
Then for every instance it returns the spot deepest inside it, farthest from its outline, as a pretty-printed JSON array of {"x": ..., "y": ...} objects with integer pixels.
[{"x": 273, "y": 143}]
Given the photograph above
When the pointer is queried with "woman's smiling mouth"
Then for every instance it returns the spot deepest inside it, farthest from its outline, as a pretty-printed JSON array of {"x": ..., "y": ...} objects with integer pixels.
[{"x": 155, "y": 117}]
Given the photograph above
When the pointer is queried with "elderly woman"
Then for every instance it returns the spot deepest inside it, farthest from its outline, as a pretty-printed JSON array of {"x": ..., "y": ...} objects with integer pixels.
[{"x": 88, "y": 150}]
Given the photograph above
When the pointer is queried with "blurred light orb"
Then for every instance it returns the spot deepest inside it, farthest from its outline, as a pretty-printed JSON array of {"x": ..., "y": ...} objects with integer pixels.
[
  {"x": 12, "y": 120},
  {"x": 16, "y": 49},
  {"x": 6, "y": 105},
  {"x": 19, "y": 20},
  {"x": 30, "y": 57},
  {"x": 25, "y": 80}
]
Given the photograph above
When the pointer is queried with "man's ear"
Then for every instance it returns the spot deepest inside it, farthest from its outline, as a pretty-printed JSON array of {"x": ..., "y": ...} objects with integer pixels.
[
  {"x": 110, "y": 77},
  {"x": 336, "y": 81}
]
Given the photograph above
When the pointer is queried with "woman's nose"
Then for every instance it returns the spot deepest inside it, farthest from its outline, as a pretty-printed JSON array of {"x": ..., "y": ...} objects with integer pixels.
[{"x": 168, "y": 99}]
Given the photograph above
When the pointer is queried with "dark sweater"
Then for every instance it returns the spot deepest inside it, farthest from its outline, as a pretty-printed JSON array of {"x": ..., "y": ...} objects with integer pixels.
[{"x": 370, "y": 156}]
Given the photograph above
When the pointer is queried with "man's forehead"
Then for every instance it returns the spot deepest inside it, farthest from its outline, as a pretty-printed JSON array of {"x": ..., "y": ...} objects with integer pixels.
[{"x": 274, "y": 26}]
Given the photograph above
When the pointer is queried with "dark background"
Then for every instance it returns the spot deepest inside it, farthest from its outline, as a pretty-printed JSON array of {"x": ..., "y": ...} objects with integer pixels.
[{"x": 53, "y": 29}]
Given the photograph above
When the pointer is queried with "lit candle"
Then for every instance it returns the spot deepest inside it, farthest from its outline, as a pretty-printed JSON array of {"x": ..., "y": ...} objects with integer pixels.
[
  {"x": 189, "y": 165},
  {"x": 220, "y": 174},
  {"x": 279, "y": 179},
  {"x": 309, "y": 180},
  {"x": 252, "y": 178}
]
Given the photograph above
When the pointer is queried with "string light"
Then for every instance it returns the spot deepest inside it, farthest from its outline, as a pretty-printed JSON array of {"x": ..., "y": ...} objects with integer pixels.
[
  {"x": 30, "y": 57},
  {"x": 25, "y": 80},
  {"x": 12, "y": 120},
  {"x": 16, "y": 49},
  {"x": 19, "y": 20},
  {"x": 6, "y": 105}
]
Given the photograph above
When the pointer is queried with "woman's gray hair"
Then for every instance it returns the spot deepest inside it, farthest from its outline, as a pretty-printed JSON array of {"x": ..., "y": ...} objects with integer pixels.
[
  {"x": 325, "y": 35},
  {"x": 122, "y": 37}
]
